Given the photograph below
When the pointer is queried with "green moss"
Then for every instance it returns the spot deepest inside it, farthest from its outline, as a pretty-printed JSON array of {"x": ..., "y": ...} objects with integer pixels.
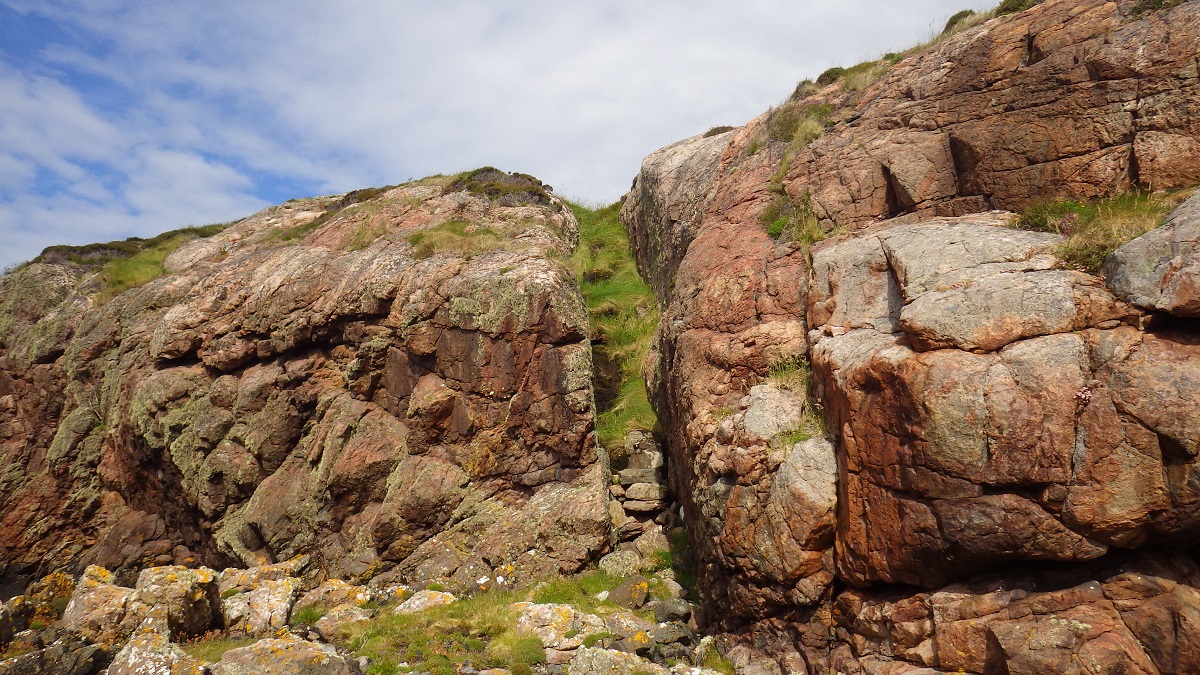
[
  {"x": 831, "y": 75},
  {"x": 623, "y": 317}
]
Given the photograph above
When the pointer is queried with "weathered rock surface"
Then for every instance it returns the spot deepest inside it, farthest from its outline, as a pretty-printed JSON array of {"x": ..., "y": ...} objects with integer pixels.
[
  {"x": 152, "y": 653},
  {"x": 986, "y": 409},
  {"x": 386, "y": 379},
  {"x": 423, "y": 600},
  {"x": 284, "y": 656}
]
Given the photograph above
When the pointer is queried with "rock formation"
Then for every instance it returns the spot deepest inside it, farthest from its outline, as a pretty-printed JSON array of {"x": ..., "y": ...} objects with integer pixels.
[
  {"x": 1007, "y": 483},
  {"x": 386, "y": 380}
]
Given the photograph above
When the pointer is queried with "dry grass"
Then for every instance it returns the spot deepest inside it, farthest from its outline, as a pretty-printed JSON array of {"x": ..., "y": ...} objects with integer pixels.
[
  {"x": 1093, "y": 230},
  {"x": 460, "y": 238},
  {"x": 795, "y": 374}
]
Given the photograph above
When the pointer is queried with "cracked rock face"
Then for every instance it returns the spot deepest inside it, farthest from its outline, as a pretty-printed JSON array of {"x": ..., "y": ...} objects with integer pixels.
[
  {"x": 397, "y": 382},
  {"x": 991, "y": 416}
]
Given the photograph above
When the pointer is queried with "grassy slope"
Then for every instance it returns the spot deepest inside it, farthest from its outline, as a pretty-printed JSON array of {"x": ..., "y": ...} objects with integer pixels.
[{"x": 623, "y": 317}]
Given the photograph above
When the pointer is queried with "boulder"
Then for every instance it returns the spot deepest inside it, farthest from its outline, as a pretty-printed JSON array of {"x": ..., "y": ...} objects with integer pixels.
[
  {"x": 423, "y": 600},
  {"x": 190, "y": 597},
  {"x": 1160, "y": 270},
  {"x": 631, "y": 593},
  {"x": 100, "y": 610},
  {"x": 561, "y": 628},
  {"x": 283, "y": 656},
  {"x": 332, "y": 625},
  {"x": 150, "y": 652},
  {"x": 333, "y": 593},
  {"x": 261, "y": 609}
]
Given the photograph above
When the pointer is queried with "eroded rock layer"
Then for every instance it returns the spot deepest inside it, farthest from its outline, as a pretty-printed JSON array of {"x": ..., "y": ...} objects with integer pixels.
[
  {"x": 1002, "y": 430},
  {"x": 394, "y": 380}
]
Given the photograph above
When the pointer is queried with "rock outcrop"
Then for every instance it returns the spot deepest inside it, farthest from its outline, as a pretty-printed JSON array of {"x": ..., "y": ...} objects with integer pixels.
[
  {"x": 394, "y": 379},
  {"x": 1000, "y": 430}
]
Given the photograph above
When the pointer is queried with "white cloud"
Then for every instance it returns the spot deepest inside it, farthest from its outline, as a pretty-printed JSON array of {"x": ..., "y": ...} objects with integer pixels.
[{"x": 213, "y": 106}]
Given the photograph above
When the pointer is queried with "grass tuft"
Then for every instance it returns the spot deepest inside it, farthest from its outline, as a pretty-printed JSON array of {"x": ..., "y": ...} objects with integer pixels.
[
  {"x": 308, "y": 615},
  {"x": 1093, "y": 230},
  {"x": 795, "y": 374},
  {"x": 623, "y": 316},
  {"x": 791, "y": 220}
]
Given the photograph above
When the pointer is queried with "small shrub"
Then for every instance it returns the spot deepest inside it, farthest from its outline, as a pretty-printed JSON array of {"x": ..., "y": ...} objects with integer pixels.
[
  {"x": 716, "y": 131},
  {"x": 804, "y": 89},
  {"x": 509, "y": 189},
  {"x": 957, "y": 19},
  {"x": 786, "y": 219},
  {"x": 1144, "y": 7},
  {"x": 1014, "y": 6},
  {"x": 831, "y": 75}
]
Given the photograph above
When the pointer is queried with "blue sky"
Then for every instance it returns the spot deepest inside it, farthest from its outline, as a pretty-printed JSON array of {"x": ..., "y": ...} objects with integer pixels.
[{"x": 126, "y": 118}]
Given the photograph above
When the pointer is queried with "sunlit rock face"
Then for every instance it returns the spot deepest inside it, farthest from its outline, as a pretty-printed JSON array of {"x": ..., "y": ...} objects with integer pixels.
[
  {"x": 387, "y": 380},
  {"x": 1013, "y": 440}
]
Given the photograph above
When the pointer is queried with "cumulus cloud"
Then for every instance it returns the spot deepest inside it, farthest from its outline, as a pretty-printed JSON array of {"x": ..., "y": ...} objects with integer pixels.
[{"x": 129, "y": 118}]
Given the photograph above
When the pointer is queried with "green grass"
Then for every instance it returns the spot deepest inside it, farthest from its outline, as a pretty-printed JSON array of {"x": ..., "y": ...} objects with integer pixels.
[
  {"x": 128, "y": 263},
  {"x": 623, "y": 317},
  {"x": 210, "y": 650},
  {"x": 578, "y": 591},
  {"x": 714, "y": 661},
  {"x": 308, "y": 615},
  {"x": 1093, "y": 230},
  {"x": 457, "y": 237},
  {"x": 479, "y": 630},
  {"x": 788, "y": 219}
]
